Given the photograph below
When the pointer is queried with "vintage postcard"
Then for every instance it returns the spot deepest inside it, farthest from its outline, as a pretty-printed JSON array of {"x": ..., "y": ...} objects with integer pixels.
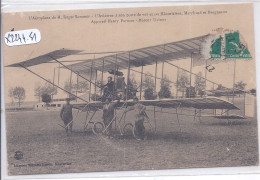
[{"x": 128, "y": 89}]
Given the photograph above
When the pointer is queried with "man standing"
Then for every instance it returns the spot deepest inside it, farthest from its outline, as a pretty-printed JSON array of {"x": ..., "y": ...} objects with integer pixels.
[
  {"x": 109, "y": 114},
  {"x": 66, "y": 115},
  {"x": 140, "y": 114}
]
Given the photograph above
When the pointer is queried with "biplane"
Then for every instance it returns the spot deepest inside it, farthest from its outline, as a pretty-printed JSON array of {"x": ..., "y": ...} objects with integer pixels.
[{"x": 115, "y": 62}]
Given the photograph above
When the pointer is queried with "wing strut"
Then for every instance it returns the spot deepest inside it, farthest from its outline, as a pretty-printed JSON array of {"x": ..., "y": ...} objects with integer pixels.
[
  {"x": 52, "y": 83},
  {"x": 80, "y": 75},
  {"x": 74, "y": 72}
]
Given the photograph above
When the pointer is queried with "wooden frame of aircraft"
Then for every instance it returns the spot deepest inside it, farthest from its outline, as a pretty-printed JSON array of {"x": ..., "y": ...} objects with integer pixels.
[{"x": 164, "y": 53}]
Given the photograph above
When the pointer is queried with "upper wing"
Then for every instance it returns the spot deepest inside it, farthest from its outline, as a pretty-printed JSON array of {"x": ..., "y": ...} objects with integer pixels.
[
  {"x": 138, "y": 57},
  {"x": 46, "y": 58},
  {"x": 142, "y": 57},
  {"x": 197, "y": 103}
]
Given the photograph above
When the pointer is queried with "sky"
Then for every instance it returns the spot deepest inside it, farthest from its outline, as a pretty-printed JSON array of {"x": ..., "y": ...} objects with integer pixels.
[{"x": 82, "y": 34}]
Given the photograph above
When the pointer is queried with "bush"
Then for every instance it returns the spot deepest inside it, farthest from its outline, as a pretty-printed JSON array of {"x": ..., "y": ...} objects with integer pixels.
[
  {"x": 149, "y": 94},
  {"x": 190, "y": 92},
  {"x": 46, "y": 98},
  {"x": 164, "y": 92},
  {"x": 252, "y": 91},
  {"x": 201, "y": 93}
]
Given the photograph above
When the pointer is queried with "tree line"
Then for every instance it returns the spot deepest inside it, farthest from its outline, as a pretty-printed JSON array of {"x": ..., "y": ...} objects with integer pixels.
[{"x": 46, "y": 91}]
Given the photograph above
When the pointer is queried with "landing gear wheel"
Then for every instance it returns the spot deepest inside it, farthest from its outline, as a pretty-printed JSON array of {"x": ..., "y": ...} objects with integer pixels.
[
  {"x": 128, "y": 129},
  {"x": 98, "y": 127}
]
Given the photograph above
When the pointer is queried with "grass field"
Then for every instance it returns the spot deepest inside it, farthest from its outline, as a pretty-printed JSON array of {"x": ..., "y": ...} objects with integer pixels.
[{"x": 46, "y": 148}]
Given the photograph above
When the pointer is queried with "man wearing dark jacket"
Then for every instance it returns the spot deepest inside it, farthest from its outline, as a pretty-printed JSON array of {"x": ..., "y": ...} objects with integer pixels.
[
  {"x": 108, "y": 88},
  {"x": 66, "y": 115}
]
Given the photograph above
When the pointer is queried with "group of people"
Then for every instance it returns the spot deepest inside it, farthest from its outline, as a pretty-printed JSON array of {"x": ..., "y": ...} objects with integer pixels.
[
  {"x": 139, "y": 111},
  {"x": 108, "y": 112}
]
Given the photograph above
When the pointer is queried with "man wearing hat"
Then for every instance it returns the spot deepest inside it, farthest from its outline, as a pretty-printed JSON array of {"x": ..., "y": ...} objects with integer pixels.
[
  {"x": 140, "y": 114},
  {"x": 66, "y": 115}
]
